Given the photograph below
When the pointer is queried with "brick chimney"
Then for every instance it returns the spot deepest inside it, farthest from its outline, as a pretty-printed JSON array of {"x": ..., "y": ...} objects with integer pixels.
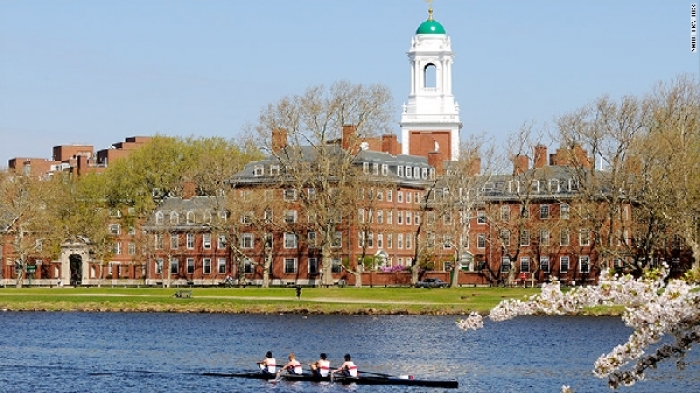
[
  {"x": 520, "y": 164},
  {"x": 189, "y": 189},
  {"x": 540, "y": 156},
  {"x": 474, "y": 167},
  {"x": 390, "y": 144},
  {"x": 581, "y": 157},
  {"x": 349, "y": 136},
  {"x": 435, "y": 160},
  {"x": 279, "y": 139}
]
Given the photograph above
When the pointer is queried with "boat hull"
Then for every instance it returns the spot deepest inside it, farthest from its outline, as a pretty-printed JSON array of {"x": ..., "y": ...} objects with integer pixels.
[{"x": 362, "y": 380}]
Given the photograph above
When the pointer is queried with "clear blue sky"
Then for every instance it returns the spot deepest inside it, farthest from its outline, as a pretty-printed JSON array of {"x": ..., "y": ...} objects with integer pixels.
[{"x": 97, "y": 71}]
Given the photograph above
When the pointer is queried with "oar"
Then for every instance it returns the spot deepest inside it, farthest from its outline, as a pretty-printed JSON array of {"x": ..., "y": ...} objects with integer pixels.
[{"x": 377, "y": 374}]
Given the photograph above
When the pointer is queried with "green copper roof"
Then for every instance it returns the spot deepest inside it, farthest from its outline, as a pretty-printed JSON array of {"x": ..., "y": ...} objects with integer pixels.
[{"x": 430, "y": 27}]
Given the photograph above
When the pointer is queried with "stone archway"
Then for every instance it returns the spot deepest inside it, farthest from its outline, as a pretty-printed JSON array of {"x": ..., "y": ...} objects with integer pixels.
[{"x": 75, "y": 262}]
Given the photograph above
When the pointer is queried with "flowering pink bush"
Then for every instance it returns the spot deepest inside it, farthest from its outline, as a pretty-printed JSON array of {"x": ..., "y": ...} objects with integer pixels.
[
  {"x": 392, "y": 269},
  {"x": 653, "y": 307}
]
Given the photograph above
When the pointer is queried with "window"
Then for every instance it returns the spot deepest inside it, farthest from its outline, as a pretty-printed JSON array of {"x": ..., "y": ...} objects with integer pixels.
[
  {"x": 481, "y": 240},
  {"x": 544, "y": 212},
  {"x": 274, "y": 170},
  {"x": 159, "y": 218},
  {"x": 544, "y": 264},
  {"x": 525, "y": 264},
  {"x": 173, "y": 265},
  {"x": 564, "y": 237},
  {"x": 247, "y": 266},
  {"x": 564, "y": 211},
  {"x": 267, "y": 216},
  {"x": 380, "y": 240},
  {"x": 399, "y": 171},
  {"x": 380, "y": 195},
  {"x": 190, "y": 217},
  {"x": 380, "y": 216},
  {"x": 481, "y": 217},
  {"x": 223, "y": 215},
  {"x": 554, "y": 185},
  {"x": 389, "y": 216},
  {"x": 159, "y": 266},
  {"x": 424, "y": 173},
  {"x": 389, "y": 240},
  {"x": 399, "y": 196},
  {"x": 290, "y": 195},
  {"x": 290, "y": 216},
  {"x": 114, "y": 229},
  {"x": 409, "y": 171},
  {"x": 174, "y": 241},
  {"x": 446, "y": 241},
  {"x": 375, "y": 169},
  {"x": 584, "y": 238},
  {"x": 131, "y": 230},
  {"x": 505, "y": 212},
  {"x": 408, "y": 241},
  {"x": 247, "y": 240},
  {"x": 525, "y": 211},
  {"x": 290, "y": 240},
  {"x": 408, "y": 216},
  {"x": 190, "y": 241},
  {"x": 207, "y": 216},
  {"x": 258, "y": 170},
  {"x": 221, "y": 241},
  {"x": 447, "y": 218},
  {"x": 311, "y": 193},
  {"x": 290, "y": 265},
  {"x": 361, "y": 216},
  {"x": 544, "y": 237},
  {"x": 408, "y": 197},
  {"x": 206, "y": 265},
  {"x": 504, "y": 234},
  {"x": 389, "y": 195},
  {"x": 399, "y": 241},
  {"x": 365, "y": 168},
  {"x": 117, "y": 248},
  {"x": 158, "y": 240},
  {"x": 221, "y": 265},
  {"x": 564, "y": 264},
  {"x": 584, "y": 264},
  {"x": 131, "y": 249},
  {"x": 313, "y": 265},
  {"x": 505, "y": 264},
  {"x": 525, "y": 237},
  {"x": 247, "y": 218},
  {"x": 190, "y": 265},
  {"x": 385, "y": 169},
  {"x": 337, "y": 240},
  {"x": 174, "y": 218},
  {"x": 336, "y": 265},
  {"x": 399, "y": 217},
  {"x": 311, "y": 239},
  {"x": 206, "y": 241}
]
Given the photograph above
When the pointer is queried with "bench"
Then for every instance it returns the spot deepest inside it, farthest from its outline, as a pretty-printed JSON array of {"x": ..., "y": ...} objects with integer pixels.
[{"x": 183, "y": 293}]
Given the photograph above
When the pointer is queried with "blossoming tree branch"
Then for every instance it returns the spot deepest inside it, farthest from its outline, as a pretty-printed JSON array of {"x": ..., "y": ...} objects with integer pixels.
[{"x": 654, "y": 306}]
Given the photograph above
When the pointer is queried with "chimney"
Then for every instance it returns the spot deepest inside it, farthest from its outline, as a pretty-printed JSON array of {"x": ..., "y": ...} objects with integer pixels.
[
  {"x": 279, "y": 139},
  {"x": 474, "y": 167},
  {"x": 520, "y": 164},
  {"x": 81, "y": 165},
  {"x": 540, "y": 156},
  {"x": 349, "y": 136},
  {"x": 581, "y": 157},
  {"x": 435, "y": 160},
  {"x": 390, "y": 144},
  {"x": 188, "y": 189}
]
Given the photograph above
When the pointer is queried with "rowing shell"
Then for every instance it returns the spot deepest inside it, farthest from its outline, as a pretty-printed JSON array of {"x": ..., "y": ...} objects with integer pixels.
[{"x": 362, "y": 380}]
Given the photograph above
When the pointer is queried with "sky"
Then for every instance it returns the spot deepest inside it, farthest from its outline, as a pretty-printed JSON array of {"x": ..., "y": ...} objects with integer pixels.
[{"x": 96, "y": 72}]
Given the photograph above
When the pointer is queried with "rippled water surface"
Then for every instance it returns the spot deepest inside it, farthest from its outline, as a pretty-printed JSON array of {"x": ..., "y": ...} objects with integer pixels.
[{"x": 124, "y": 352}]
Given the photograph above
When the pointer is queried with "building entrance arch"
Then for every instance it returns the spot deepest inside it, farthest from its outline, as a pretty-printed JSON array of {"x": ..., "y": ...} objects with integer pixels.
[{"x": 74, "y": 262}]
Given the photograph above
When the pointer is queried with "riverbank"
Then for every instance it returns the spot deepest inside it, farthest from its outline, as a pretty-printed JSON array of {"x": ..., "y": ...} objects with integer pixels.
[{"x": 313, "y": 301}]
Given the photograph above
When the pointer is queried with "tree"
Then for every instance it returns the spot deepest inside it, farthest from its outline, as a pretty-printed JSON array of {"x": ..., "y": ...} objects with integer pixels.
[{"x": 316, "y": 138}]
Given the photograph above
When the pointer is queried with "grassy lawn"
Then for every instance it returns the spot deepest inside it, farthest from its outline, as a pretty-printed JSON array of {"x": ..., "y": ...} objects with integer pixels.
[{"x": 449, "y": 301}]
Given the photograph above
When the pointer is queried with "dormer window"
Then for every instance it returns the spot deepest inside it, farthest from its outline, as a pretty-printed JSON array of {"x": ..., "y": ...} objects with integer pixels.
[
  {"x": 207, "y": 216},
  {"x": 274, "y": 170},
  {"x": 399, "y": 171},
  {"x": 365, "y": 168},
  {"x": 375, "y": 169},
  {"x": 424, "y": 173},
  {"x": 554, "y": 185},
  {"x": 174, "y": 218},
  {"x": 159, "y": 218},
  {"x": 431, "y": 173},
  {"x": 385, "y": 169},
  {"x": 190, "y": 217},
  {"x": 409, "y": 172},
  {"x": 258, "y": 170},
  {"x": 416, "y": 173}
]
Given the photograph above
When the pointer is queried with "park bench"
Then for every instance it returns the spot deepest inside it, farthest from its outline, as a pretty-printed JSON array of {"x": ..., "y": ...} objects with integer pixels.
[{"x": 183, "y": 293}]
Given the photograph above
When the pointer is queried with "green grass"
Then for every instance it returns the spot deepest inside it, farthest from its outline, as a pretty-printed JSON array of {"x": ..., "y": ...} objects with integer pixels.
[{"x": 449, "y": 301}]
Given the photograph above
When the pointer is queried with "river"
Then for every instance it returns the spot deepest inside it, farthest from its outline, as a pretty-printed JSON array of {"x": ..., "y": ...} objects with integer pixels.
[{"x": 135, "y": 352}]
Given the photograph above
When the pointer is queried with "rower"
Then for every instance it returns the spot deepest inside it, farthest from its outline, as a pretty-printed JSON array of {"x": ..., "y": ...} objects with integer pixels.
[
  {"x": 321, "y": 367},
  {"x": 348, "y": 368},
  {"x": 292, "y": 367},
  {"x": 268, "y": 365}
]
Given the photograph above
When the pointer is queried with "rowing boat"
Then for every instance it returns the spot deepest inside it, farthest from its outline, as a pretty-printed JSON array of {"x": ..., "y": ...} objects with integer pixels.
[{"x": 361, "y": 380}]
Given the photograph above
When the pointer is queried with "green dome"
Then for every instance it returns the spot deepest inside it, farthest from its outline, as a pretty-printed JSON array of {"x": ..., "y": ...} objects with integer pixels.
[{"x": 430, "y": 27}]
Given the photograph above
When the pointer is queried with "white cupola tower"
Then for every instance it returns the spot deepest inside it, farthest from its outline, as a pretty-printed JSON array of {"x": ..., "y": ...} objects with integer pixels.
[{"x": 430, "y": 118}]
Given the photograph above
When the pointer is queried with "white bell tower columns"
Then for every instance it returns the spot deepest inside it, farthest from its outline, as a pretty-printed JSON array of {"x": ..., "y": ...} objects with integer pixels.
[{"x": 430, "y": 118}]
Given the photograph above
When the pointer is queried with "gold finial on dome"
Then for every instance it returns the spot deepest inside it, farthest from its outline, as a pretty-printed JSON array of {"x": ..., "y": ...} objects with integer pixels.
[{"x": 430, "y": 9}]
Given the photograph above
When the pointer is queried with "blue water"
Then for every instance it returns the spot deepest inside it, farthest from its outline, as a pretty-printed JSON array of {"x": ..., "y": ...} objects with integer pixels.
[{"x": 125, "y": 352}]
